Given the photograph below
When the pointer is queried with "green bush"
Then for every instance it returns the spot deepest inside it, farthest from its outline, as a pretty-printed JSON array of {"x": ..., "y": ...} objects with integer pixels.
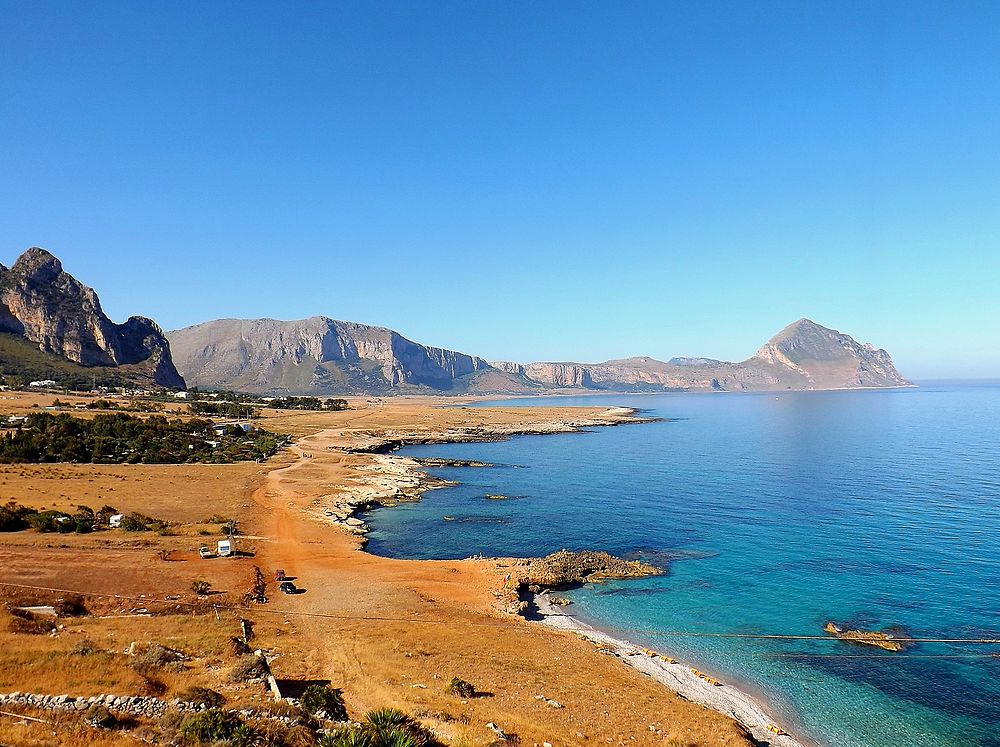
[
  {"x": 461, "y": 688},
  {"x": 349, "y": 736},
  {"x": 201, "y": 588},
  {"x": 244, "y": 735},
  {"x": 45, "y": 521},
  {"x": 324, "y": 698},
  {"x": 386, "y": 718},
  {"x": 383, "y": 727},
  {"x": 209, "y": 726},
  {"x": 136, "y": 522},
  {"x": 14, "y": 517}
]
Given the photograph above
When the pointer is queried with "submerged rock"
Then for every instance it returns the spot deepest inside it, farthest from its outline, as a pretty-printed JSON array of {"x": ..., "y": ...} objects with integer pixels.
[{"x": 877, "y": 638}]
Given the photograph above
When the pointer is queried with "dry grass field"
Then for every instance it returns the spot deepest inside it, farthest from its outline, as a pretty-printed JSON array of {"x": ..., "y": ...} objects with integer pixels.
[{"x": 389, "y": 632}]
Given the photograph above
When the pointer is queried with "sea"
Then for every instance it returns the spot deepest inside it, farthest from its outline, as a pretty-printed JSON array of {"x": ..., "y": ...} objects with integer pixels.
[{"x": 772, "y": 513}]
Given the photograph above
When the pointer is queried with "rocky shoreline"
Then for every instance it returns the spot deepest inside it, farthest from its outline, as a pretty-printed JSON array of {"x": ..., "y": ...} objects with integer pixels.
[
  {"x": 526, "y": 588},
  {"x": 389, "y": 480}
]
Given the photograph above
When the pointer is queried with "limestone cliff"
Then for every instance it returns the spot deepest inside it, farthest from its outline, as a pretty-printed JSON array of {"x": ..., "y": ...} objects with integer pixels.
[
  {"x": 319, "y": 356},
  {"x": 45, "y": 305},
  {"x": 804, "y": 355}
]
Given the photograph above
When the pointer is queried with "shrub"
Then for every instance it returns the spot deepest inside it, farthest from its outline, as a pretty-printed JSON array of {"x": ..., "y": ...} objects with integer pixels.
[
  {"x": 71, "y": 606},
  {"x": 461, "y": 688},
  {"x": 247, "y": 668},
  {"x": 324, "y": 698},
  {"x": 83, "y": 648},
  {"x": 244, "y": 735},
  {"x": 390, "y": 727},
  {"x": 155, "y": 658},
  {"x": 202, "y": 696},
  {"x": 349, "y": 736},
  {"x": 45, "y": 521},
  {"x": 136, "y": 522},
  {"x": 200, "y": 587},
  {"x": 209, "y": 726},
  {"x": 14, "y": 517},
  {"x": 386, "y": 718},
  {"x": 299, "y": 736}
]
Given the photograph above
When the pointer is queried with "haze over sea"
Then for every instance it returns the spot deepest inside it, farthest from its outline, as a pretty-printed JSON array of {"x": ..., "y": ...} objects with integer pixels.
[{"x": 775, "y": 513}]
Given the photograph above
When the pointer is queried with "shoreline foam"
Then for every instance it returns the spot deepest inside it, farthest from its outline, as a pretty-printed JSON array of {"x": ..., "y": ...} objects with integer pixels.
[{"x": 673, "y": 674}]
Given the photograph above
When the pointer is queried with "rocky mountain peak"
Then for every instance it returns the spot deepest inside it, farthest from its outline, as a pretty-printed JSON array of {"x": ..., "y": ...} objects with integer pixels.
[
  {"x": 38, "y": 265},
  {"x": 47, "y": 306}
]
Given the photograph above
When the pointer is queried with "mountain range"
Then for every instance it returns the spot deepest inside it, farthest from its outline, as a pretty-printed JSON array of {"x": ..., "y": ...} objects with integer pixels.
[
  {"x": 51, "y": 325},
  {"x": 325, "y": 356}
]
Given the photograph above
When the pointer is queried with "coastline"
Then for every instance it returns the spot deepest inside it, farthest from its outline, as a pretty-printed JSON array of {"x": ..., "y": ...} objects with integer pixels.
[
  {"x": 396, "y": 479},
  {"x": 671, "y": 673}
]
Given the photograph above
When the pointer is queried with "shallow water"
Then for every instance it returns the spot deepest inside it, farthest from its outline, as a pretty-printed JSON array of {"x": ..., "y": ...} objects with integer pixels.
[{"x": 775, "y": 514}]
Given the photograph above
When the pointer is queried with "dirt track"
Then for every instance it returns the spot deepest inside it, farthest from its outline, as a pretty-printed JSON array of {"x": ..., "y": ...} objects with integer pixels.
[{"x": 444, "y": 624}]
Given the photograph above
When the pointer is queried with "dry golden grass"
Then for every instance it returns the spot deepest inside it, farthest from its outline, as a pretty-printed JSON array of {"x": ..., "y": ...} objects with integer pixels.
[
  {"x": 377, "y": 662},
  {"x": 175, "y": 492},
  {"x": 65, "y": 730},
  {"x": 48, "y": 664}
]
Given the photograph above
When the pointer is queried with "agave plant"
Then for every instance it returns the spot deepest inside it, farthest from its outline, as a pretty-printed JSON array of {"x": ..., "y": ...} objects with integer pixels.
[
  {"x": 386, "y": 718},
  {"x": 349, "y": 736}
]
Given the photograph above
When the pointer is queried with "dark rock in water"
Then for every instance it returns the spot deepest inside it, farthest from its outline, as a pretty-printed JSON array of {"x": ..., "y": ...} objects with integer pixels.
[
  {"x": 566, "y": 567},
  {"x": 442, "y": 462}
]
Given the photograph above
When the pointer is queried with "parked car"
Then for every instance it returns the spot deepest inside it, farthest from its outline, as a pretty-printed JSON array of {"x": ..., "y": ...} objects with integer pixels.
[
  {"x": 287, "y": 587},
  {"x": 205, "y": 552}
]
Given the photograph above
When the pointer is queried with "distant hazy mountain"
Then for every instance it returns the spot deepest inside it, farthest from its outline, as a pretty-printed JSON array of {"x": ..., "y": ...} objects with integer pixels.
[
  {"x": 53, "y": 327},
  {"x": 804, "y": 355},
  {"x": 326, "y": 356}
]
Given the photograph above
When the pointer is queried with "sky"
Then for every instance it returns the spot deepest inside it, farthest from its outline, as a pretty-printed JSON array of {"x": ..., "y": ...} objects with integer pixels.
[{"x": 521, "y": 180}]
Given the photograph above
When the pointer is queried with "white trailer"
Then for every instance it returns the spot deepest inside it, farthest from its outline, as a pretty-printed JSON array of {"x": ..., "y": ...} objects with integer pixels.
[{"x": 225, "y": 548}]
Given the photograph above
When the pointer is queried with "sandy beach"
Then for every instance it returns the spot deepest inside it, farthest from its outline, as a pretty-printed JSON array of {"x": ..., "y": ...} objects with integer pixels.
[{"x": 676, "y": 675}]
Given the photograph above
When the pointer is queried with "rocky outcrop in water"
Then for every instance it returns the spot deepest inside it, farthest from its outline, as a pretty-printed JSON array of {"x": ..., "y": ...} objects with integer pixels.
[
  {"x": 47, "y": 306},
  {"x": 567, "y": 567}
]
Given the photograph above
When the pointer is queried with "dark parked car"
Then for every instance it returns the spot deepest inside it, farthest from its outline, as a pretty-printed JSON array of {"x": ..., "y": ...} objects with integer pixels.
[{"x": 287, "y": 587}]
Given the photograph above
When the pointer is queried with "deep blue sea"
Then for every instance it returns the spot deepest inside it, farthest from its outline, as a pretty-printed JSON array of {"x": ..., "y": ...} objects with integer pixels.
[{"x": 775, "y": 513}]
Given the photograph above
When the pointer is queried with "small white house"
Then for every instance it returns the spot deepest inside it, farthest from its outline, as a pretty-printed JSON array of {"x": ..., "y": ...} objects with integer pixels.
[
  {"x": 181, "y": 395},
  {"x": 225, "y": 548},
  {"x": 42, "y": 383},
  {"x": 115, "y": 520}
]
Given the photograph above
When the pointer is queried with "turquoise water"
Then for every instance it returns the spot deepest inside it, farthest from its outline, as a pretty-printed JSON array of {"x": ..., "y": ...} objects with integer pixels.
[{"x": 775, "y": 513}]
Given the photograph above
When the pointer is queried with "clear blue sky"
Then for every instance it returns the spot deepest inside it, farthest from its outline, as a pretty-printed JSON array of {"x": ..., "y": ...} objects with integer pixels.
[{"x": 521, "y": 180}]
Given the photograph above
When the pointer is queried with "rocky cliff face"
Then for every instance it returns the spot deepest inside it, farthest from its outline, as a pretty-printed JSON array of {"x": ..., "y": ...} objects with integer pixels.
[
  {"x": 315, "y": 356},
  {"x": 804, "y": 355},
  {"x": 47, "y": 306},
  {"x": 326, "y": 356}
]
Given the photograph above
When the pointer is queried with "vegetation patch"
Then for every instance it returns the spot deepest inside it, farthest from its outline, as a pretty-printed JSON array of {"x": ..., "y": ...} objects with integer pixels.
[
  {"x": 119, "y": 438},
  {"x": 383, "y": 727},
  {"x": 461, "y": 688},
  {"x": 324, "y": 699}
]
